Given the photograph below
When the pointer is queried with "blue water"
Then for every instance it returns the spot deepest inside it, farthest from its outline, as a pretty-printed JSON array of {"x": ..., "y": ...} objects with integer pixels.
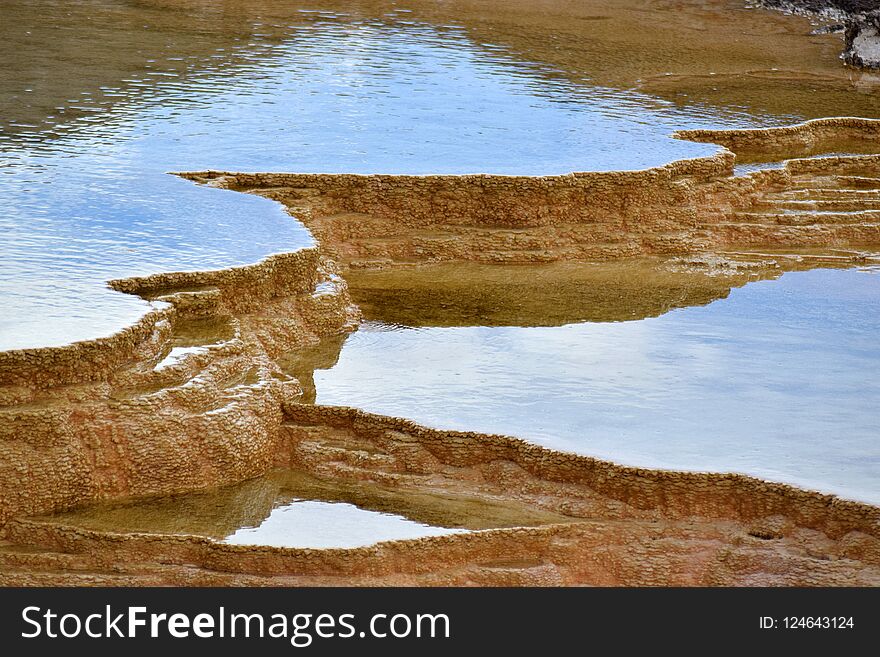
[
  {"x": 89, "y": 199},
  {"x": 779, "y": 380}
]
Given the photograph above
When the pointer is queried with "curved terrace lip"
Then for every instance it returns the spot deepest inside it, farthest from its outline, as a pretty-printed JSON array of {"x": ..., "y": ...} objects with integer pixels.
[
  {"x": 189, "y": 175},
  {"x": 136, "y": 284},
  {"x": 743, "y": 482},
  {"x": 131, "y": 284}
]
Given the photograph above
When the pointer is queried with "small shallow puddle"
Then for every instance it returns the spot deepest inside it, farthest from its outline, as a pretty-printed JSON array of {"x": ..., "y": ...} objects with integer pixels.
[
  {"x": 777, "y": 380},
  {"x": 291, "y": 509},
  {"x": 309, "y": 524}
]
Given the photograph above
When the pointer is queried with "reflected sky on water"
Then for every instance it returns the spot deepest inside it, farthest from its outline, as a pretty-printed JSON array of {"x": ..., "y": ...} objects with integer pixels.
[
  {"x": 87, "y": 198},
  {"x": 777, "y": 381}
]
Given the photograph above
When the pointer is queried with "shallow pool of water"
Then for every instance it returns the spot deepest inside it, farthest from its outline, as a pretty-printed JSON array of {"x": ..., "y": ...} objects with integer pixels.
[
  {"x": 309, "y": 524},
  {"x": 89, "y": 132},
  {"x": 778, "y": 380},
  {"x": 288, "y": 508}
]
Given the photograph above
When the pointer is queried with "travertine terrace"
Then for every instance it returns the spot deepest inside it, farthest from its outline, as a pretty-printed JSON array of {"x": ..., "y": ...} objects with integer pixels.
[
  {"x": 686, "y": 207},
  {"x": 196, "y": 395}
]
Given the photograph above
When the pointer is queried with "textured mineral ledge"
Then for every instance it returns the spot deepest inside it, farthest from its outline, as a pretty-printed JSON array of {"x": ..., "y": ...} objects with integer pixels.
[{"x": 199, "y": 394}]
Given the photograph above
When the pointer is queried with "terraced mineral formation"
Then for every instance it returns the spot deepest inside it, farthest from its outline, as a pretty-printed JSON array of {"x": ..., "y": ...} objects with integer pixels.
[
  {"x": 686, "y": 207},
  {"x": 199, "y": 394},
  {"x": 190, "y": 397}
]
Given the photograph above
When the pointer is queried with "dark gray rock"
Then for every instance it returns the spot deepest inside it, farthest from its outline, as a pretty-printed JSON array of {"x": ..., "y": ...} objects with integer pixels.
[
  {"x": 863, "y": 41},
  {"x": 860, "y": 21},
  {"x": 824, "y": 7},
  {"x": 834, "y": 28}
]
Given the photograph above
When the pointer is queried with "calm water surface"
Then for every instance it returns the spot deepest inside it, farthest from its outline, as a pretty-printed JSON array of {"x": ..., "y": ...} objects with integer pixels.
[
  {"x": 778, "y": 380},
  {"x": 310, "y": 524},
  {"x": 286, "y": 508},
  {"x": 86, "y": 193}
]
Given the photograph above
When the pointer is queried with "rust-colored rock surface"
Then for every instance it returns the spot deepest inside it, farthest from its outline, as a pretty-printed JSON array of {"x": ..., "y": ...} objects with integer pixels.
[{"x": 197, "y": 394}]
